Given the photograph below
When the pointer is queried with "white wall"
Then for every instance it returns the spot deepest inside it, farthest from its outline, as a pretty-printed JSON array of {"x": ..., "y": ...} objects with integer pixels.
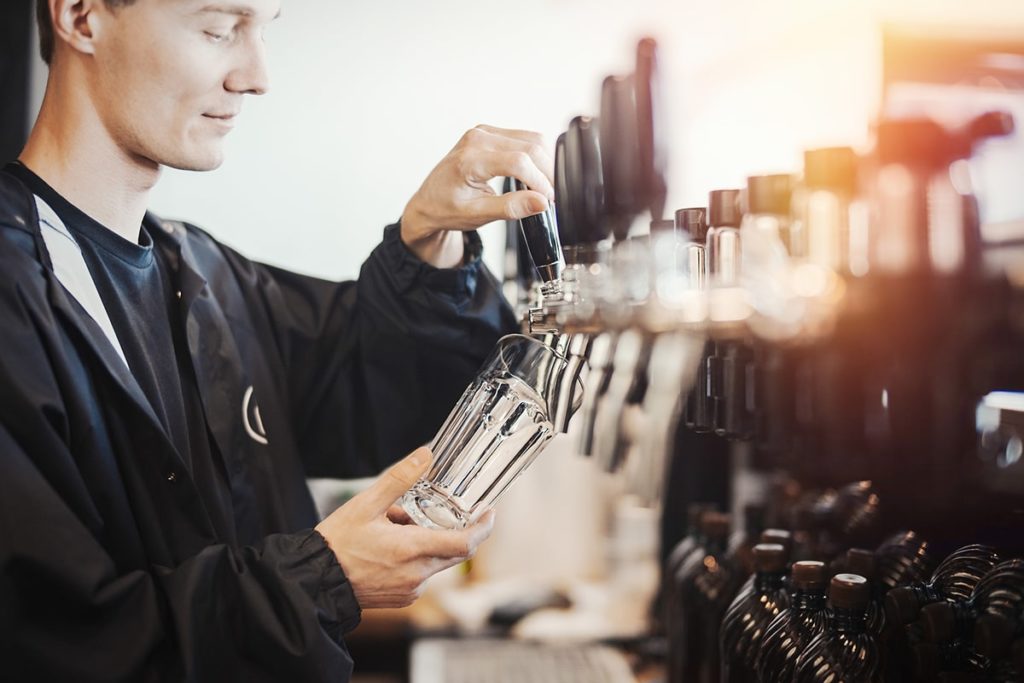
[{"x": 367, "y": 96}]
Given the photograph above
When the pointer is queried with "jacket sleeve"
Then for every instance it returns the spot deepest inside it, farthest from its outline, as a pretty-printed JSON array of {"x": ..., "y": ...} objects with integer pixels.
[
  {"x": 374, "y": 366},
  {"x": 70, "y": 611},
  {"x": 274, "y": 611}
]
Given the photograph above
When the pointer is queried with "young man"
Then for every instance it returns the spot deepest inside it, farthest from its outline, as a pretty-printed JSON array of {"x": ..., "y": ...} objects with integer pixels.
[{"x": 162, "y": 398}]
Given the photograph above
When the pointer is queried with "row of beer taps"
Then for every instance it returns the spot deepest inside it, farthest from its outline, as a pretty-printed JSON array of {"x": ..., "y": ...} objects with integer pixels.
[{"x": 749, "y": 317}]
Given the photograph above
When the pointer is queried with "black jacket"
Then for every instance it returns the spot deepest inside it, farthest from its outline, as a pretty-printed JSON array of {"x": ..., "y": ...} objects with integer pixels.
[{"x": 110, "y": 568}]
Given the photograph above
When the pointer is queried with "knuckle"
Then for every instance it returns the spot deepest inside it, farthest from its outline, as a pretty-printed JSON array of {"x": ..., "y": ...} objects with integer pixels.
[
  {"x": 521, "y": 160},
  {"x": 537, "y": 151},
  {"x": 509, "y": 211},
  {"x": 463, "y": 161},
  {"x": 473, "y": 135}
]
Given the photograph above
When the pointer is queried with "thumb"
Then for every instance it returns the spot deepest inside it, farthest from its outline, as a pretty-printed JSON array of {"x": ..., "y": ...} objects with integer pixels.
[
  {"x": 396, "y": 480},
  {"x": 511, "y": 206}
]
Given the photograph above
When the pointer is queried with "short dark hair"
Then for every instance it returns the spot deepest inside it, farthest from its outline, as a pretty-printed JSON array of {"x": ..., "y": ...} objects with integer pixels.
[{"x": 45, "y": 22}]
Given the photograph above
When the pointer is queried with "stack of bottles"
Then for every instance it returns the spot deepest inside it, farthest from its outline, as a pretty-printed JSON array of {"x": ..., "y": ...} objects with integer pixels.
[{"x": 801, "y": 604}]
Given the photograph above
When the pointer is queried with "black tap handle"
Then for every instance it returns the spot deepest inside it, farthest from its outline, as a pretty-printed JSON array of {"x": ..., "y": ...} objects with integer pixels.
[
  {"x": 565, "y": 209},
  {"x": 540, "y": 232},
  {"x": 620, "y": 154},
  {"x": 584, "y": 184}
]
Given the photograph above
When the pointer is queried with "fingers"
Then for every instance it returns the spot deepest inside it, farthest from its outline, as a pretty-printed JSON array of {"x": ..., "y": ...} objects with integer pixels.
[
  {"x": 454, "y": 545},
  {"x": 511, "y": 206},
  {"x": 524, "y": 155},
  {"x": 532, "y": 144},
  {"x": 523, "y": 135},
  {"x": 397, "y": 515},
  {"x": 395, "y": 481}
]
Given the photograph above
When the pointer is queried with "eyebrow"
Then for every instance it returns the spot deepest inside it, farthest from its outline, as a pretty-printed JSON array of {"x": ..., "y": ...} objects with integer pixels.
[{"x": 238, "y": 10}]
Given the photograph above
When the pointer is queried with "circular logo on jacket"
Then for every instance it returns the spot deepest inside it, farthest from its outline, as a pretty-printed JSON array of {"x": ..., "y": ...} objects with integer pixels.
[{"x": 251, "y": 418}]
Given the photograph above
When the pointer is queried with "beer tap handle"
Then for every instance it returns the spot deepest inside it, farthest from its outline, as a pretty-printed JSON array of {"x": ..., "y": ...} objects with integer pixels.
[{"x": 540, "y": 232}]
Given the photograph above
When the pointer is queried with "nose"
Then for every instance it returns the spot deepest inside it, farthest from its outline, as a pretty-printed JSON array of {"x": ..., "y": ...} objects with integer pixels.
[{"x": 250, "y": 76}]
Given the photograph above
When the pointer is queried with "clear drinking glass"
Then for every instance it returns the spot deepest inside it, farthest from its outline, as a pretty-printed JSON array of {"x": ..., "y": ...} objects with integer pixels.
[{"x": 499, "y": 426}]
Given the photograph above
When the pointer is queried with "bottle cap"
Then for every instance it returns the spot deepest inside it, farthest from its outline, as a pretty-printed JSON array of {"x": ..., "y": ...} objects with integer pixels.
[
  {"x": 831, "y": 168},
  {"x": 938, "y": 622},
  {"x": 862, "y": 562},
  {"x": 809, "y": 575},
  {"x": 693, "y": 221},
  {"x": 779, "y": 536},
  {"x": 724, "y": 209},
  {"x": 770, "y": 194},
  {"x": 993, "y": 635},
  {"x": 902, "y": 605},
  {"x": 849, "y": 591},
  {"x": 770, "y": 557},
  {"x": 716, "y": 524}
]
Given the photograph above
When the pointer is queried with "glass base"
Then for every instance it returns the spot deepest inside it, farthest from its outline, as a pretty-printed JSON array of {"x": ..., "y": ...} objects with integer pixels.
[{"x": 432, "y": 509}]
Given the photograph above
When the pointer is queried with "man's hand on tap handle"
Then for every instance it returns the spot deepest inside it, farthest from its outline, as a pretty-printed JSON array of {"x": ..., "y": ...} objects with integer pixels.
[{"x": 456, "y": 195}]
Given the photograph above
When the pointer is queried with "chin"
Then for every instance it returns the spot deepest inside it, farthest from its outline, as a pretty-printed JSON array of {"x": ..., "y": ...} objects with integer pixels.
[
  {"x": 206, "y": 157},
  {"x": 197, "y": 163}
]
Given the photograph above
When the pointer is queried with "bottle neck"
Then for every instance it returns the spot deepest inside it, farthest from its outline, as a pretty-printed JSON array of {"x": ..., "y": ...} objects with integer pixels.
[
  {"x": 765, "y": 582},
  {"x": 926, "y": 594},
  {"x": 849, "y": 620},
  {"x": 804, "y": 600}
]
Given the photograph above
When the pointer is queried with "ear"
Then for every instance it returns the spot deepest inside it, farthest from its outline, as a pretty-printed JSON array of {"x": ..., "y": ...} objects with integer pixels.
[{"x": 75, "y": 23}]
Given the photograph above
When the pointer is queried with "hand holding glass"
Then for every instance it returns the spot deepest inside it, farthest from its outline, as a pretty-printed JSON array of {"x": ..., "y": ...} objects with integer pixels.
[{"x": 499, "y": 426}]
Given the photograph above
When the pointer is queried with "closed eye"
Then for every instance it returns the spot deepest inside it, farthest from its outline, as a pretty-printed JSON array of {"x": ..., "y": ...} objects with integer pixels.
[{"x": 216, "y": 37}]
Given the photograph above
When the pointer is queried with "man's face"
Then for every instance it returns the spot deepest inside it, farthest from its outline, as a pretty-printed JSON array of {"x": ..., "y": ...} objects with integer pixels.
[{"x": 171, "y": 75}]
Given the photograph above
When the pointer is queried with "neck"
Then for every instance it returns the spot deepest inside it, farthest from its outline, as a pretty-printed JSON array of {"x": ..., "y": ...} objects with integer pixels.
[
  {"x": 71, "y": 149},
  {"x": 808, "y": 600},
  {"x": 769, "y": 581},
  {"x": 849, "y": 620}
]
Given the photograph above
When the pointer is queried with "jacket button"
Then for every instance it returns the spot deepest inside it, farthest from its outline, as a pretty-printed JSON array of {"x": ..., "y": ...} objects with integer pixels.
[
  {"x": 178, "y": 293},
  {"x": 172, "y": 477}
]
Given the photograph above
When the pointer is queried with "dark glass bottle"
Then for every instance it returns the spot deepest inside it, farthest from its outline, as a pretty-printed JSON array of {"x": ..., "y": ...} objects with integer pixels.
[
  {"x": 862, "y": 563},
  {"x": 902, "y": 559},
  {"x": 693, "y": 538},
  {"x": 749, "y": 615},
  {"x": 965, "y": 635},
  {"x": 672, "y": 609},
  {"x": 954, "y": 658},
  {"x": 998, "y": 603},
  {"x": 706, "y": 584},
  {"x": 845, "y": 651},
  {"x": 953, "y": 579},
  {"x": 856, "y": 514},
  {"x": 790, "y": 632},
  {"x": 741, "y": 545}
]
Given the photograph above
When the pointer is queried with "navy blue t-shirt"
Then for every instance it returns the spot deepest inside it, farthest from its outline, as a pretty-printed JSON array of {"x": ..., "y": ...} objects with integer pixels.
[{"x": 140, "y": 293}]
